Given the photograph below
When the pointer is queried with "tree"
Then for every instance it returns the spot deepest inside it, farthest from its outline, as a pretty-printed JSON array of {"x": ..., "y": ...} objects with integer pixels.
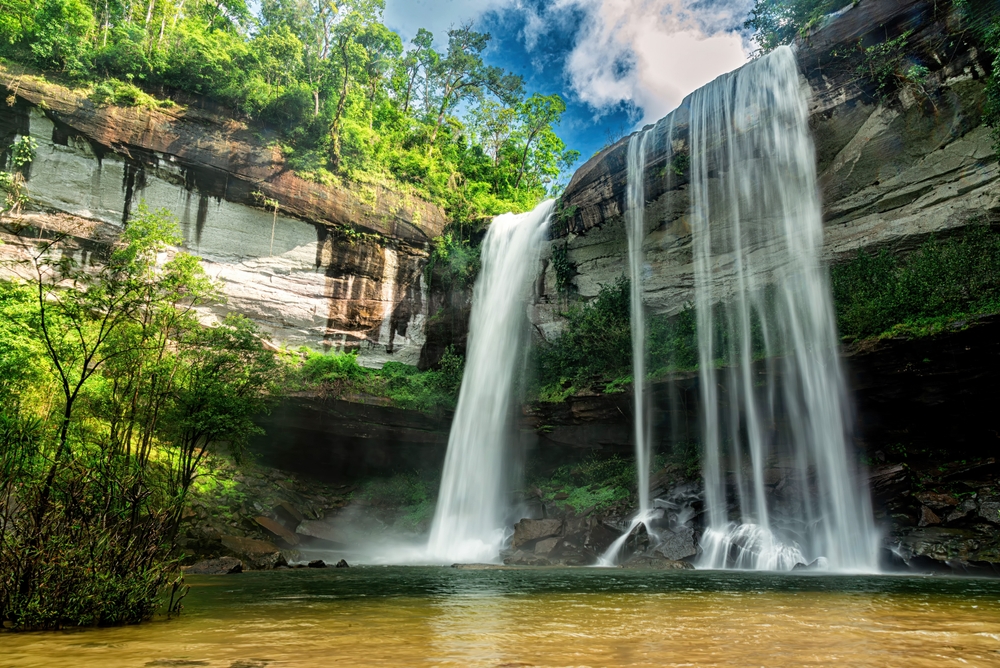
[
  {"x": 462, "y": 74},
  {"x": 537, "y": 115}
]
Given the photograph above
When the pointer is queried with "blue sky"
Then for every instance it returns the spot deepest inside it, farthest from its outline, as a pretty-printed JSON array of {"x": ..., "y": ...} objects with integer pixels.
[{"x": 619, "y": 64}]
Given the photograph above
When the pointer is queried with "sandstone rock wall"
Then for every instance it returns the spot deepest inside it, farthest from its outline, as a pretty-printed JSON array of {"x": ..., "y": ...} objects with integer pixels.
[
  {"x": 891, "y": 171},
  {"x": 335, "y": 266}
]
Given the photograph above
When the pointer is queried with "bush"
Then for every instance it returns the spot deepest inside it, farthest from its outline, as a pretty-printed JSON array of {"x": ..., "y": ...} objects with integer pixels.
[{"x": 878, "y": 293}]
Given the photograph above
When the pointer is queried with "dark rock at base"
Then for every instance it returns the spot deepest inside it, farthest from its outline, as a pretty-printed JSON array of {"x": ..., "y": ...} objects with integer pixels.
[
  {"x": 342, "y": 564},
  {"x": 277, "y": 530},
  {"x": 928, "y": 517},
  {"x": 317, "y": 563},
  {"x": 677, "y": 545},
  {"x": 256, "y": 554},
  {"x": 522, "y": 558},
  {"x": 817, "y": 564},
  {"x": 220, "y": 566},
  {"x": 527, "y": 531}
]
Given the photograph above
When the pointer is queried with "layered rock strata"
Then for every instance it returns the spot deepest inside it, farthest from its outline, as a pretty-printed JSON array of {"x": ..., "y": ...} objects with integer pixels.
[
  {"x": 320, "y": 265},
  {"x": 892, "y": 169}
]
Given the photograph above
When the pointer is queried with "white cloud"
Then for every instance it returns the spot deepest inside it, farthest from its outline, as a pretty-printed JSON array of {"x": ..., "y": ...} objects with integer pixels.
[{"x": 650, "y": 52}]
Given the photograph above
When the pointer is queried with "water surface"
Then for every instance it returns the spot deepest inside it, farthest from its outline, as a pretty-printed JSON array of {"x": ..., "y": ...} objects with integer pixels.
[{"x": 427, "y": 616}]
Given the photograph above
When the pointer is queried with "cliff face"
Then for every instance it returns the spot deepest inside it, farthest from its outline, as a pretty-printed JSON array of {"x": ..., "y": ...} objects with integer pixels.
[
  {"x": 891, "y": 171},
  {"x": 302, "y": 272}
]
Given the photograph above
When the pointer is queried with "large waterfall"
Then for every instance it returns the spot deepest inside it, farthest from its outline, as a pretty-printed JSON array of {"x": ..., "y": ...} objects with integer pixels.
[
  {"x": 470, "y": 517},
  {"x": 780, "y": 484}
]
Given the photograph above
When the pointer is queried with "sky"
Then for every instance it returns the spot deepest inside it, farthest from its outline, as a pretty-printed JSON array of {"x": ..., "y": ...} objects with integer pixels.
[{"x": 618, "y": 64}]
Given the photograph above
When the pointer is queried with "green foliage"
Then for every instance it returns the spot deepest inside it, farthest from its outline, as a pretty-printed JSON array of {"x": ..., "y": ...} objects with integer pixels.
[
  {"x": 12, "y": 183},
  {"x": 111, "y": 395},
  {"x": 124, "y": 94},
  {"x": 411, "y": 495},
  {"x": 347, "y": 98},
  {"x": 777, "y": 22},
  {"x": 564, "y": 269},
  {"x": 982, "y": 19},
  {"x": 879, "y": 294},
  {"x": 453, "y": 263},
  {"x": 339, "y": 374},
  {"x": 882, "y": 64},
  {"x": 594, "y": 485},
  {"x": 595, "y": 346}
]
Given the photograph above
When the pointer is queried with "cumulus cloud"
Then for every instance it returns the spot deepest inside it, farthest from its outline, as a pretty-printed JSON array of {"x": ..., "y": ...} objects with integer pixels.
[
  {"x": 647, "y": 54},
  {"x": 650, "y": 53}
]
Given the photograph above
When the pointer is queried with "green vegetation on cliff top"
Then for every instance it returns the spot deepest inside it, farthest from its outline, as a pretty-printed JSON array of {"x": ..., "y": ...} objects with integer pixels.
[{"x": 340, "y": 91}]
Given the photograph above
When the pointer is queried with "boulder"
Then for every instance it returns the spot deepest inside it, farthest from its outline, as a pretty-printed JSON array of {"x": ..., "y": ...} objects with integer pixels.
[
  {"x": 342, "y": 564},
  {"x": 677, "y": 545},
  {"x": 962, "y": 511},
  {"x": 277, "y": 530},
  {"x": 935, "y": 501},
  {"x": 545, "y": 545},
  {"x": 317, "y": 563},
  {"x": 220, "y": 566},
  {"x": 320, "y": 529},
  {"x": 522, "y": 558},
  {"x": 288, "y": 514},
  {"x": 527, "y": 531},
  {"x": 989, "y": 510},
  {"x": 928, "y": 517},
  {"x": 256, "y": 554}
]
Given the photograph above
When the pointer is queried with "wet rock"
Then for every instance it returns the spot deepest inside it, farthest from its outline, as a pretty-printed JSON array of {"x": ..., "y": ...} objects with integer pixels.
[
  {"x": 545, "y": 546},
  {"x": 522, "y": 558},
  {"x": 321, "y": 529},
  {"x": 342, "y": 564},
  {"x": 817, "y": 564},
  {"x": 677, "y": 545},
  {"x": 277, "y": 530},
  {"x": 288, "y": 514},
  {"x": 887, "y": 480},
  {"x": 962, "y": 511},
  {"x": 989, "y": 510},
  {"x": 527, "y": 531},
  {"x": 317, "y": 563},
  {"x": 256, "y": 554},
  {"x": 928, "y": 517},
  {"x": 935, "y": 501},
  {"x": 220, "y": 566}
]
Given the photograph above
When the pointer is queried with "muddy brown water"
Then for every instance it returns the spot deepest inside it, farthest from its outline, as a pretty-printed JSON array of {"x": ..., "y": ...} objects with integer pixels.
[{"x": 427, "y": 616}]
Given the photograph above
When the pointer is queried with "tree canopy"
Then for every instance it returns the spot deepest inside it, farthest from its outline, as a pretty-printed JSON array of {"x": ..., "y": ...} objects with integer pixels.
[{"x": 342, "y": 93}]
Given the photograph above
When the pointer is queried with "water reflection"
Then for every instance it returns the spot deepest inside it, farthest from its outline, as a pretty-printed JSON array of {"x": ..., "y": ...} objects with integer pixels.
[{"x": 587, "y": 617}]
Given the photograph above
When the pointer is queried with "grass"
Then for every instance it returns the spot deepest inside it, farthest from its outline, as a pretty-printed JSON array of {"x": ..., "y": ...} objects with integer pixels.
[{"x": 404, "y": 386}]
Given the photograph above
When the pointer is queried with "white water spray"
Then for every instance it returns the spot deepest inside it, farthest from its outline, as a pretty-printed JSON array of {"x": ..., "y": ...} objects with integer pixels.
[
  {"x": 764, "y": 307},
  {"x": 470, "y": 515}
]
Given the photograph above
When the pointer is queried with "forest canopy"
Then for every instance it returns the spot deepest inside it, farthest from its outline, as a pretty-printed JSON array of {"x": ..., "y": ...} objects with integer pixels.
[{"x": 340, "y": 93}]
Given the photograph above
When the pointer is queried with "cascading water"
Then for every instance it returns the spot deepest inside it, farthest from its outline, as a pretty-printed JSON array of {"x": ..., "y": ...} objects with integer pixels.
[
  {"x": 635, "y": 209},
  {"x": 469, "y": 519},
  {"x": 765, "y": 323}
]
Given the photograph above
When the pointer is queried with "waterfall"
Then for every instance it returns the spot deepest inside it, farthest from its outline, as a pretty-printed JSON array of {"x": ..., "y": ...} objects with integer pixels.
[
  {"x": 778, "y": 456},
  {"x": 470, "y": 517},
  {"x": 635, "y": 229}
]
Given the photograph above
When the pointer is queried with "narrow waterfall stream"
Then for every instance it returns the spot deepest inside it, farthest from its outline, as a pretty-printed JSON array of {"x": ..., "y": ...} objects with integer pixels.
[
  {"x": 635, "y": 228},
  {"x": 469, "y": 520},
  {"x": 780, "y": 485}
]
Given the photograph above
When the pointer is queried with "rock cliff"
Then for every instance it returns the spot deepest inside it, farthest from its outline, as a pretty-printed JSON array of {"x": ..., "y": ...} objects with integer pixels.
[
  {"x": 321, "y": 265},
  {"x": 891, "y": 170}
]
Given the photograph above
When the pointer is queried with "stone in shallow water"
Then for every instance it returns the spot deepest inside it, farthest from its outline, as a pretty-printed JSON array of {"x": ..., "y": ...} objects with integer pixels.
[
  {"x": 342, "y": 564},
  {"x": 317, "y": 563},
  {"x": 220, "y": 566},
  {"x": 677, "y": 545}
]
